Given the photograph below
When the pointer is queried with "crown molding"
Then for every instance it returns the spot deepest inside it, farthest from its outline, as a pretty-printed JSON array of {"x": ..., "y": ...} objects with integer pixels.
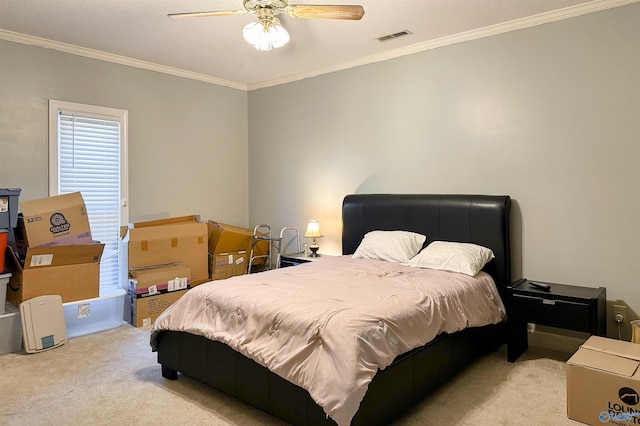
[
  {"x": 517, "y": 24},
  {"x": 117, "y": 59},
  {"x": 504, "y": 27}
]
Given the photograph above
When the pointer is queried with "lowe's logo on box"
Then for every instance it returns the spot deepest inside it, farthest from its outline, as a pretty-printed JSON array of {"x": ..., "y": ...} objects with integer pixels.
[
  {"x": 59, "y": 223},
  {"x": 619, "y": 412}
]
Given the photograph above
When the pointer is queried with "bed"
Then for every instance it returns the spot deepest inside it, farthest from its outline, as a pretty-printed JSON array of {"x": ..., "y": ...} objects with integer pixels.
[{"x": 478, "y": 219}]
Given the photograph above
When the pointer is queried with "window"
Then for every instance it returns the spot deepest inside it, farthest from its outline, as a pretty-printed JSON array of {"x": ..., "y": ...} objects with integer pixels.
[{"x": 88, "y": 153}]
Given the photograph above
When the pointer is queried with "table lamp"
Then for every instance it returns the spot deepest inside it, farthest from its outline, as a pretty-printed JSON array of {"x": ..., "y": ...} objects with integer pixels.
[{"x": 313, "y": 231}]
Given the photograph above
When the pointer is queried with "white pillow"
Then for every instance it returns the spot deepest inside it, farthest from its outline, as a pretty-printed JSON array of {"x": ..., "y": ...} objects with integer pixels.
[
  {"x": 465, "y": 258},
  {"x": 392, "y": 246}
]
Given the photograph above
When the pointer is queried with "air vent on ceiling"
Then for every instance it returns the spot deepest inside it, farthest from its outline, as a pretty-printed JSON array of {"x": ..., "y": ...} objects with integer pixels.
[{"x": 394, "y": 35}]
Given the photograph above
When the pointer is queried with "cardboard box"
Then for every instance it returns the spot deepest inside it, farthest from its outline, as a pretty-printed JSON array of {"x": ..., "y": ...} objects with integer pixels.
[
  {"x": 603, "y": 382},
  {"x": 224, "y": 238},
  {"x": 169, "y": 221},
  {"x": 73, "y": 272},
  {"x": 57, "y": 220},
  {"x": 145, "y": 310},
  {"x": 159, "y": 280},
  {"x": 182, "y": 242},
  {"x": 150, "y": 291},
  {"x": 227, "y": 265}
]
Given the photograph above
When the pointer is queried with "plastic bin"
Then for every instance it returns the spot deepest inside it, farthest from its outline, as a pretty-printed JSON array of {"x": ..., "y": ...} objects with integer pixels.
[
  {"x": 9, "y": 207},
  {"x": 94, "y": 315},
  {"x": 4, "y": 280},
  {"x": 10, "y": 329},
  {"x": 81, "y": 318}
]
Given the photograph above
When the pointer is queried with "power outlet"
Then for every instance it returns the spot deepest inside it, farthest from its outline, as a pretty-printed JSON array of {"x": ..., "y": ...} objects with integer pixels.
[{"x": 620, "y": 314}]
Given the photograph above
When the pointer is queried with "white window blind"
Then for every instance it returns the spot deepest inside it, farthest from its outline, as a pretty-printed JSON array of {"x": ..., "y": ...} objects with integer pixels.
[{"x": 89, "y": 159}]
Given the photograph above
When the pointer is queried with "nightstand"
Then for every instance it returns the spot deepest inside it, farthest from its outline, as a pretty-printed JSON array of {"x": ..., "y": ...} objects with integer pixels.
[
  {"x": 295, "y": 259},
  {"x": 563, "y": 306}
]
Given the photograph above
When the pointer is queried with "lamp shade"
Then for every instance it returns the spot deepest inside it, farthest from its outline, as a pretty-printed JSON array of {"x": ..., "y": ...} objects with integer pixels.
[
  {"x": 265, "y": 36},
  {"x": 313, "y": 230}
]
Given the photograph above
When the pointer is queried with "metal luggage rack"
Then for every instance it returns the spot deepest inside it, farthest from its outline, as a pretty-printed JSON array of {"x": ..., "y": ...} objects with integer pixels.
[{"x": 263, "y": 233}]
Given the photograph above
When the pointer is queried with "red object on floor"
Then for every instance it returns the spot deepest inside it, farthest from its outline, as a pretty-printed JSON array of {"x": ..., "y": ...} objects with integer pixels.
[{"x": 4, "y": 236}]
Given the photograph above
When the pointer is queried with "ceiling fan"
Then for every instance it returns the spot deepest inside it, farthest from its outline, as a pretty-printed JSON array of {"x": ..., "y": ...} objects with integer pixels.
[{"x": 267, "y": 33}]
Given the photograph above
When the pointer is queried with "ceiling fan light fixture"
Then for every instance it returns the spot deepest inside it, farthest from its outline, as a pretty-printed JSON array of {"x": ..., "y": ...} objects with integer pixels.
[{"x": 265, "y": 34}]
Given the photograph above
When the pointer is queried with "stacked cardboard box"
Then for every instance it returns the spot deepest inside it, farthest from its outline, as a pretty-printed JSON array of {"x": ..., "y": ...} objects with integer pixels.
[
  {"x": 56, "y": 252},
  {"x": 229, "y": 249},
  {"x": 227, "y": 265},
  {"x": 180, "y": 240},
  {"x": 152, "y": 290},
  {"x": 166, "y": 258}
]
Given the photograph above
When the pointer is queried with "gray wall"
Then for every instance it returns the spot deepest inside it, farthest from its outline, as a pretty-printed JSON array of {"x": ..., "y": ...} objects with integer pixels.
[
  {"x": 187, "y": 139},
  {"x": 549, "y": 115}
]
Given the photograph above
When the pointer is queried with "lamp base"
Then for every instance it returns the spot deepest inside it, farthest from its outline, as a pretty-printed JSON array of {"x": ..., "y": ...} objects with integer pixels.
[{"x": 314, "y": 251}]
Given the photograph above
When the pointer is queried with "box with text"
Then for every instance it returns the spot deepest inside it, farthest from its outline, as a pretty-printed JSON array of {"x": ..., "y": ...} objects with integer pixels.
[
  {"x": 57, "y": 220},
  {"x": 170, "y": 243},
  {"x": 146, "y": 309},
  {"x": 73, "y": 272},
  {"x": 227, "y": 265},
  {"x": 603, "y": 382},
  {"x": 224, "y": 238}
]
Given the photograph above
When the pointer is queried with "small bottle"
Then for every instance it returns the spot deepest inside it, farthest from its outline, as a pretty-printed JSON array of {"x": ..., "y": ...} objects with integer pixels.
[{"x": 306, "y": 250}]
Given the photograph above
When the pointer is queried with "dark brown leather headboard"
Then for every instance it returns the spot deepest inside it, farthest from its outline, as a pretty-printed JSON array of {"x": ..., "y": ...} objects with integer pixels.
[{"x": 479, "y": 219}]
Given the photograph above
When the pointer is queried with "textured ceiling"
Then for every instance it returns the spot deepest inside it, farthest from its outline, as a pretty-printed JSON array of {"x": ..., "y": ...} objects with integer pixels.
[{"x": 139, "y": 33}]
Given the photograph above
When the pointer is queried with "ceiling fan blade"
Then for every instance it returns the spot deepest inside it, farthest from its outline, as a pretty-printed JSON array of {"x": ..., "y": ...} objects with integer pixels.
[
  {"x": 205, "y": 14},
  {"x": 351, "y": 12}
]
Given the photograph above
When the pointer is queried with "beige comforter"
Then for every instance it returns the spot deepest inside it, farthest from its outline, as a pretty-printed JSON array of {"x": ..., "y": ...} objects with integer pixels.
[{"x": 329, "y": 325}]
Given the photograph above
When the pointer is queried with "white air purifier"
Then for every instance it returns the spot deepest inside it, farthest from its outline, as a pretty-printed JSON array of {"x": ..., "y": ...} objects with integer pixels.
[{"x": 43, "y": 323}]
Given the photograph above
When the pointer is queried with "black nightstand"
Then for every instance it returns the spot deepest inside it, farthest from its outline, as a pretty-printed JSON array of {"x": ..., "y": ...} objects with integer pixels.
[
  {"x": 564, "y": 306},
  {"x": 295, "y": 259}
]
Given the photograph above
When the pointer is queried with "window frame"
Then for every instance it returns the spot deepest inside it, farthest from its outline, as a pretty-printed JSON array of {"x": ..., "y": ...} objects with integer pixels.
[{"x": 120, "y": 115}]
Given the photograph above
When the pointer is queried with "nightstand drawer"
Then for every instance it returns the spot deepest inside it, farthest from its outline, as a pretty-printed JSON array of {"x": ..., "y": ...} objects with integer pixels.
[{"x": 552, "y": 312}]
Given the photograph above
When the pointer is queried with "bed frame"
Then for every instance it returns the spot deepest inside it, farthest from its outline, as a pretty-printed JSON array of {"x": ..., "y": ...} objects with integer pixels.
[{"x": 480, "y": 219}]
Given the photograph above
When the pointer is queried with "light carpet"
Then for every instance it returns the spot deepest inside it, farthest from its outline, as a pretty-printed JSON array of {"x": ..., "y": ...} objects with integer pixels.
[{"x": 113, "y": 378}]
